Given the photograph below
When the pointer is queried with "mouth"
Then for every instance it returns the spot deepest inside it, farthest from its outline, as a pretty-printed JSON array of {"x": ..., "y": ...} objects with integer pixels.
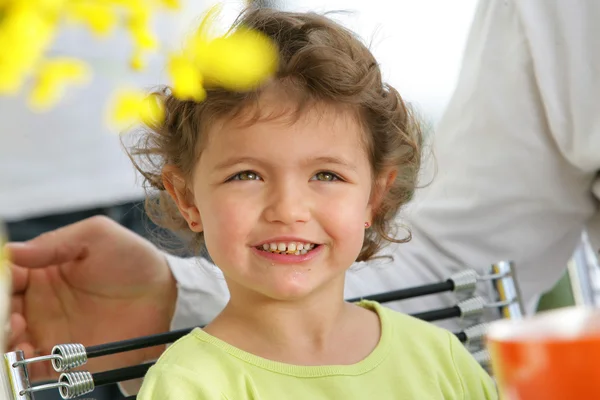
[{"x": 289, "y": 248}]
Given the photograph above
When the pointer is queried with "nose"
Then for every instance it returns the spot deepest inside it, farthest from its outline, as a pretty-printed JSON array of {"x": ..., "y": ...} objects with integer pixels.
[{"x": 287, "y": 203}]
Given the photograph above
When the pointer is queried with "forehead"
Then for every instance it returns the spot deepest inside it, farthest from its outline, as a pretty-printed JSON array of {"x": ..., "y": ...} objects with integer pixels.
[{"x": 276, "y": 127}]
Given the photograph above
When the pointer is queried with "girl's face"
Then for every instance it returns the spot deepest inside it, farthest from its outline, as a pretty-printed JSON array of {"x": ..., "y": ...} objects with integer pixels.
[{"x": 283, "y": 206}]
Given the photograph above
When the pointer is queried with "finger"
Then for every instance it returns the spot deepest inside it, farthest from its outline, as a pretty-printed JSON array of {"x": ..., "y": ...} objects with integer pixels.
[
  {"x": 20, "y": 279},
  {"x": 18, "y": 328},
  {"x": 55, "y": 247},
  {"x": 16, "y": 304},
  {"x": 27, "y": 349}
]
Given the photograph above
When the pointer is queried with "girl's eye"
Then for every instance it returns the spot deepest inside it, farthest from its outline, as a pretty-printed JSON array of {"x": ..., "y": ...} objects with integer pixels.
[
  {"x": 245, "y": 176},
  {"x": 325, "y": 176}
]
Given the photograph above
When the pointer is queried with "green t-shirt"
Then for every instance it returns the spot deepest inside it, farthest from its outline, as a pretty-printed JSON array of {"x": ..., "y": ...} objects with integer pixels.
[{"x": 414, "y": 360}]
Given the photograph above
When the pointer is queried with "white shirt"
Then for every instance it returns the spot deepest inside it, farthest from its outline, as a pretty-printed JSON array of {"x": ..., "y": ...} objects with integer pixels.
[{"x": 518, "y": 161}]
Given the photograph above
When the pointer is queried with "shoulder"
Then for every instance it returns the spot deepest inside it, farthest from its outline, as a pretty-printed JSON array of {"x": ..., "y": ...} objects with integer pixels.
[
  {"x": 436, "y": 351},
  {"x": 414, "y": 338},
  {"x": 404, "y": 325},
  {"x": 196, "y": 355},
  {"x": 189, "y": 368},
  {"x": 196, "y": 351}
]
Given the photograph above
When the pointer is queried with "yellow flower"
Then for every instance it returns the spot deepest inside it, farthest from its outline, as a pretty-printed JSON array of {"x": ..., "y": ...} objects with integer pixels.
[
  {"x": 144, "y": 38},
  {"x": 45, "y": 6},
  {"x": 186, "y": 79},
  {"x": 137, "y": 62},
  {"x": 11, "y": 79},
  {"x": 133, "y": 106},
  {"x": 138, "y": 23},
  {"x": 53, "y": 77},
  {"x": 99, "y": 16},
  {"x": 238, "y": 61},
  {"x": 170, "y": 4},
  {"x": 24, "y": 37}
]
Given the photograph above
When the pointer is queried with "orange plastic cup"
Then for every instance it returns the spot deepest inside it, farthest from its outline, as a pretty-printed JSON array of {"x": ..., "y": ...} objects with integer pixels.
[{"x": 551, "y": 356}]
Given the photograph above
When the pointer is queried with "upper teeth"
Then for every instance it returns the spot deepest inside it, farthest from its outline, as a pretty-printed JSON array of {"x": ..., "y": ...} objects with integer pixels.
[{"x": 291, "y": 247}]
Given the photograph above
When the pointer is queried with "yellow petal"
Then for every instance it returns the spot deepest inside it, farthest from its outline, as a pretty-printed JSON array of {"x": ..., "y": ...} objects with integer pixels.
[
  {"x": 241, "y": 61},
  {"x": 139, "y": 26},
  {"x": 135, "y": 6},
  {"x": 53, "y": 78},
  {"x": 100, "y": 17},
  {"x": 44, "y": 95},
  {"x": 152, "y": 110},
  {"x": 144, "y": 38},
  {"x": 126, "y": 107},
  {"x": 195, "y": 49},
  {"x": 171, "y": 4},
  {"x": 67, "y": 68},
  {"x": 24, "y": 37},
  {"x": 11, "y": 80},
  {"x": 49, "y": 5},
  {"x": 132, "y": 107},
  {"x": 186, "y": 79},
  {"x": 137, "y": 62}
]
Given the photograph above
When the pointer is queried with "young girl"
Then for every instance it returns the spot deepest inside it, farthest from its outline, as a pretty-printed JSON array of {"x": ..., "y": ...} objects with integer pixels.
[{"x": 287, "y": 186}]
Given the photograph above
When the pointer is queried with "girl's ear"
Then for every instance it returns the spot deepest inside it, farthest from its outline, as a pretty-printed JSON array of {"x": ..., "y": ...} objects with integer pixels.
[
  {"x": 381, "y": 186},
  {"x": 175, "y": 185}
]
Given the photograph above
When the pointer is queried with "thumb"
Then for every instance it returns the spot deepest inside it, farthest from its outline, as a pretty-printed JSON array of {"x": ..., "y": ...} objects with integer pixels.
[{"x": 52, "y": 248}]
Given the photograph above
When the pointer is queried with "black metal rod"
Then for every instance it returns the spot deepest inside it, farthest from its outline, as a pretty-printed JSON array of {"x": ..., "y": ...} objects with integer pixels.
[
  {"x": 437, "y": 315},
  {"x": 136, "y": 343},
  {"x": 121, "y": 374},
  {"x": 408, "y": 293},
  {"x": 461, "y": 336}
]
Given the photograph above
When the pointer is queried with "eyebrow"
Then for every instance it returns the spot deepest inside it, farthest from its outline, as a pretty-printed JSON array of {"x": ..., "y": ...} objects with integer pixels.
[
  {"x": 317, "y": 160},
  {"x": 230, "y": 162},
  {"x": 333, "y": 160}
]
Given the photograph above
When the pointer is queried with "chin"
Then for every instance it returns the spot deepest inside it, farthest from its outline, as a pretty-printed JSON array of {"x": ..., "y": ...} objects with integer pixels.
[
  {"x": 290, "y": 294},
  {"x": 287, "y": 291}
]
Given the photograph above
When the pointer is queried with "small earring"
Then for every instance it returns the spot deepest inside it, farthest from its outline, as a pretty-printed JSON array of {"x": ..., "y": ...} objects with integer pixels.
[
  {"x": 367, "y": 224},
  {"x": 194, "y": 224}
]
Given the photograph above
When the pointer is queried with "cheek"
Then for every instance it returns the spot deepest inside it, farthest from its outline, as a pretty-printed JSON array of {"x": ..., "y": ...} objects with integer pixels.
[
  {"x": 345, "y": 222},
  {"x": 225, "y": 221}
]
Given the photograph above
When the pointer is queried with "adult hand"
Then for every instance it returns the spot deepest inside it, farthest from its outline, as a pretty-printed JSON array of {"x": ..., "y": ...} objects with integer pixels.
[{"x": 91, "y": 282}]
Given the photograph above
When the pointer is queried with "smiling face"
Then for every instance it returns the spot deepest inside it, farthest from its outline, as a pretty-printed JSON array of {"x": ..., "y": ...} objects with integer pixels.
[{"x": 282, "y": 205}]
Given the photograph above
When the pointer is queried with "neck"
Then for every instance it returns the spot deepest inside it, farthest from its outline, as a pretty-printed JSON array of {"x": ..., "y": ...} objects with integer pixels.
[
  {"x": 313, "y": 316},
  {"x": 303, "y": 331}
]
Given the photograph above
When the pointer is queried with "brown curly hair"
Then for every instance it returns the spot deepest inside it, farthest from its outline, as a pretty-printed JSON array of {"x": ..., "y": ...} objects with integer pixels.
[{"x": 326, "y": 63}]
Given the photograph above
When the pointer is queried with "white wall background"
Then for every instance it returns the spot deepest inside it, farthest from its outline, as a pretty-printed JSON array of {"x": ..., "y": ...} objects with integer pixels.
[{"x": 419, "y": 43}]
